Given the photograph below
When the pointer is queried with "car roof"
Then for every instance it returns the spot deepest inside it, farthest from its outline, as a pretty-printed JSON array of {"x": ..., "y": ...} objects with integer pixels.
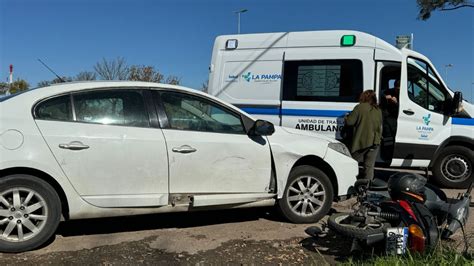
[
  {"x": 320, "y": 38},
  {"x": 34, "y": 95},
  {"x": 67, "y": 87},
  {"x": 81, "y": 85}
]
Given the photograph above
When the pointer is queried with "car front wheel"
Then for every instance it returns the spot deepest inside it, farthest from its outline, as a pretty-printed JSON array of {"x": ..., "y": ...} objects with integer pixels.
[
  {"x": 30, "y": 211},
  {"x": 308, "y": 195}
]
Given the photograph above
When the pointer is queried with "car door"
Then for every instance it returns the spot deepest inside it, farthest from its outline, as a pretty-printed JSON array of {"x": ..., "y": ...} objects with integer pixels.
[
  {"x": 208, "y": 148},
  {"x": 105, "y": 144},
  {"x": 422, "y": 123}
]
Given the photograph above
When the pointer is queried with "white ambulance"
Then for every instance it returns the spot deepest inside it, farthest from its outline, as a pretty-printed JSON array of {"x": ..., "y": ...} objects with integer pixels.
[{"x": 309, "y": 80}]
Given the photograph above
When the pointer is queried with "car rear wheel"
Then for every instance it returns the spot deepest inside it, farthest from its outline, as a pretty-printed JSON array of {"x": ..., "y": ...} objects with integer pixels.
[
  {"x": 30, "y": 211},
  {"x": 308, "y": 195}
]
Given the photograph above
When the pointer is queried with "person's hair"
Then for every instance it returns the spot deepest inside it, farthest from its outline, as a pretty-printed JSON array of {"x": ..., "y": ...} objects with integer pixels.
[
  {"x": 368, "y": 96},
  {"x": 396, "y": 84}
]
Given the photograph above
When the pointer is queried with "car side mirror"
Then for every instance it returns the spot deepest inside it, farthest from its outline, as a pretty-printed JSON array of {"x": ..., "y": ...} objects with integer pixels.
[
  {"x": 262, "y": 128},
  {"x": 456, "y": 103}
]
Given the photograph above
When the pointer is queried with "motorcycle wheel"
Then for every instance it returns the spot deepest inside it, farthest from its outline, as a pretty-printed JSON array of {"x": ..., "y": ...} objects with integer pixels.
[{"x": 344, "y": 224}]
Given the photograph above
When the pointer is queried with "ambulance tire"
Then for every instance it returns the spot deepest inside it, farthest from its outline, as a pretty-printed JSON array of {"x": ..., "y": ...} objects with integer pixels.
[{"x": 453, "y": 167}]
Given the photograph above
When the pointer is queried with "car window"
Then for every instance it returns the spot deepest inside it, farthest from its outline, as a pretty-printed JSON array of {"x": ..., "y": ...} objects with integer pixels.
[
  {"x": 111, "y": 107},
  {"x": 186, "y": 112},
  {"x": 58, "y": 108},
  {"x": 323, "y": 80},
  {"x": 424, "y": 88}
]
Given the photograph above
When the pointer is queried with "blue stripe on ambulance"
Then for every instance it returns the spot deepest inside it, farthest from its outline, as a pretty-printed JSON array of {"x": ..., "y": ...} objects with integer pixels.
[
  {"x": 294, "y": 112},
  {"x": 463, "y": 121},
  {"x": 326, "y": 113}
]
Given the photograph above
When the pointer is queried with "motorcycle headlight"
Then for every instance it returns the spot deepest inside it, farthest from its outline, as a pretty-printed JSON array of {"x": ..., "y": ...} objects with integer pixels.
[{"x": 340, "y": 147}]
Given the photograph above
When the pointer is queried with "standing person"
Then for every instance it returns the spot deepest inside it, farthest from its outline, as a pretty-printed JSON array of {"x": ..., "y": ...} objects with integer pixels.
[
  {"x": 390, "y": 102},
  {"x": 392, "y": 95},
  {"x": 366, "y": 120},
  {"x": 390, "y": 105}
]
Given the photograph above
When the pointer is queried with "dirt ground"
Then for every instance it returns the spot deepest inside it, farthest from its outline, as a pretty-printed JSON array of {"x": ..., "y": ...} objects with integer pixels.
[{"x": 246, "y": 236}]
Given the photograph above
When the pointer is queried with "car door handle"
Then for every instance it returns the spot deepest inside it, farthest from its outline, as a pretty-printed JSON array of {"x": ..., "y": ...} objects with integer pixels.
[
  {"x": 75, "y": 146},
  {"x": 408, "y": 112},
  {"x": 184, "y": 149}
]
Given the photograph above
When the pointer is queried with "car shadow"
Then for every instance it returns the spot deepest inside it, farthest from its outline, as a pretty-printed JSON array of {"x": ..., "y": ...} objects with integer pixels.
[
  {"x": 329, "y": 244},
  {"x": 163, "y": 221},
  {"x": 334, "y": 245}
]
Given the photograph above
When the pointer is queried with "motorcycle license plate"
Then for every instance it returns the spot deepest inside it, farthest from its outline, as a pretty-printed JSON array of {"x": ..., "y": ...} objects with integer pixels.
[{"x": 396, "y": 240}]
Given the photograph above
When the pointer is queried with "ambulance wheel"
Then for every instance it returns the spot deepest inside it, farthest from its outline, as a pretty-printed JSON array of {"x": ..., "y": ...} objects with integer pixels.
[
  {"x": 308, "y": 195},
  {"x": 453, "y": 167}
]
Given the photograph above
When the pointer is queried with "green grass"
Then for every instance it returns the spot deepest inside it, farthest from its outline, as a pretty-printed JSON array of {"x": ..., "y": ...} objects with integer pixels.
[
  {"x": 442, "y": 255},
  {"x": 436, "y": 258}
]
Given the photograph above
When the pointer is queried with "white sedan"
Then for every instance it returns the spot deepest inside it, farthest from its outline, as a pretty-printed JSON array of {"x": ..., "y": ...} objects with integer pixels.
[{"x": 101, "y": 149}]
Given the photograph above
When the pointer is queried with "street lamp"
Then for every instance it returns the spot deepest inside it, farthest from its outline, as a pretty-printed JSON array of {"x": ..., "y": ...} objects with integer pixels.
[
  {"x": 446, "y": 71},
  {"x": 238, "y": 18}
]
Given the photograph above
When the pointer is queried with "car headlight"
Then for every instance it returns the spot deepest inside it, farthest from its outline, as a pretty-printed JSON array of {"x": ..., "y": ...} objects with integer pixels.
[{"x": 340, "y": 147}]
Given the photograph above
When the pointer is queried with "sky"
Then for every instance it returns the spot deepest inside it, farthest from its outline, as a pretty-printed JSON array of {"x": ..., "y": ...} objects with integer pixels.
[{"x": 177, "y": 36}]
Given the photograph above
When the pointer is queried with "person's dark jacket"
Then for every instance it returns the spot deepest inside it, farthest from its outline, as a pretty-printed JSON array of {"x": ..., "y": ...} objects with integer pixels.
[{"x": 366, "y": 121}]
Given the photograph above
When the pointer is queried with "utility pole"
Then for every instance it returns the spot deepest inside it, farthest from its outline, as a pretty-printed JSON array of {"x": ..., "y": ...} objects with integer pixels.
[
  {"x": 238, "y": 18},
  {"x": 10, "y": 81},
  {"x": 446, "y": 71}
]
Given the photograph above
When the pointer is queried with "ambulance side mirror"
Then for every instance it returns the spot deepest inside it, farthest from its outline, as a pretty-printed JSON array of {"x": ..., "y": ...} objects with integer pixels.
[
  {"x": 456, "y": 103},
  {"x": 262, "y": 128}
]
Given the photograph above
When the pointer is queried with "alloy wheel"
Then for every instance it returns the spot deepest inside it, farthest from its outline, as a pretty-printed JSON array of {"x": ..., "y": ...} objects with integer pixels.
[
  {"x": 305, "y": 196},
  {"x": 23, "y": 214}
]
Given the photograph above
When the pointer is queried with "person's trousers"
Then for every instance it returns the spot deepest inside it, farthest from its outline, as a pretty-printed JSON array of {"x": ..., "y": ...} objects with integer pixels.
[{"x": 367, "y": 157}]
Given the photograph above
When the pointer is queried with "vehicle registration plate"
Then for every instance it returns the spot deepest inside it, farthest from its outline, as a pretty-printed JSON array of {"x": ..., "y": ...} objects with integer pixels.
[{"x": 396, "y": 240}]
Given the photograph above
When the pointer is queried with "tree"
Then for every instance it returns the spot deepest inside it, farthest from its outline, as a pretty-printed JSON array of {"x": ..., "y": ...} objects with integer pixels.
[
  {"x": 45, "y": 83},
  {"x": 173, "y": 80},
  {"x": 85, "y": 75},
  {"x": 4, "y": 87},
  {"x": 82, "y": 76},
  {"x": 428, "y": 6},
  {"x": 149, "y": 74},
  {"x": 114, "y": 69},
  {"x": 205, "y": 86},
  {"x": 118, "y": 69},
  {"x": 17, "y": 86},
  {"x": 144, "y": 73}
]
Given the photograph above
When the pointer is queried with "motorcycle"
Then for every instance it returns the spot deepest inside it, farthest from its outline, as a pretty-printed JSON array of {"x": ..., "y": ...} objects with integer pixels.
[{"x": 404, "y": 212}]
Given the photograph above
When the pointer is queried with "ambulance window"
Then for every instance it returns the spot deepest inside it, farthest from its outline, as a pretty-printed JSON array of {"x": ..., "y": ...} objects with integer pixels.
[
  {"x": 424, "y": 88},
  {"x": 323, "y": 80}
]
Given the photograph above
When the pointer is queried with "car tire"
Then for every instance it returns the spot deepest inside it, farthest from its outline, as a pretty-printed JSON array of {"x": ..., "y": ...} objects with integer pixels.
[
  {"x": 31, "y": 209},
  {"x": 453, "y": 167},
  {"x": 308, "y": 195}
]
